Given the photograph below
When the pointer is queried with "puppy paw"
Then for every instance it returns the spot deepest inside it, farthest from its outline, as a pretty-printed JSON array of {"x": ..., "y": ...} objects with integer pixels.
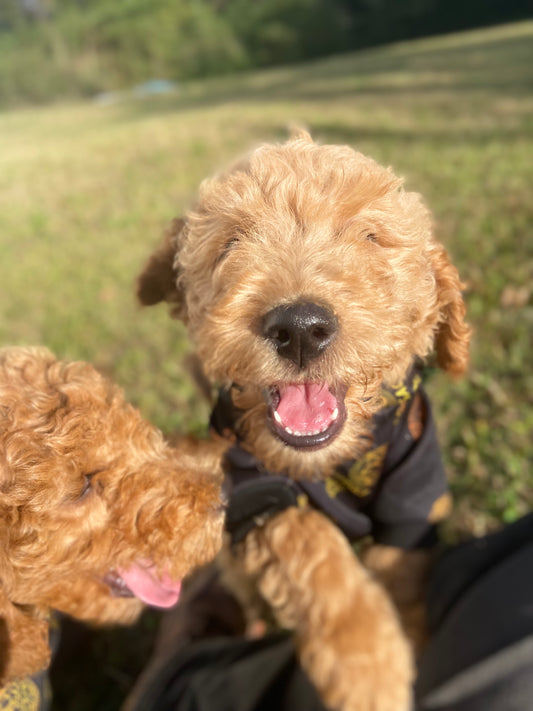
[
  {"x": 361, "y": 660},
  {"x": 348, "y": 635}
]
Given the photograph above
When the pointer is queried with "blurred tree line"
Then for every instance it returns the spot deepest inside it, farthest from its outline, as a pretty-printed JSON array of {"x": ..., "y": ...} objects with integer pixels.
[{"x": 63, "y": 48}]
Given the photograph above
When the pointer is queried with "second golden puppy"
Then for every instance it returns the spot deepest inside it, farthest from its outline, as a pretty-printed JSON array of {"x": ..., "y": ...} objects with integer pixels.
[{"x": 98, "y": 514}]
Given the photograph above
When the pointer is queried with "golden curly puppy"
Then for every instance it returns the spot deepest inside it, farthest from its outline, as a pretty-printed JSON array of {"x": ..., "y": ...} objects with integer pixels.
[
  {"x": 313, "y": 288},
  {"x": 98, "y": 515}
]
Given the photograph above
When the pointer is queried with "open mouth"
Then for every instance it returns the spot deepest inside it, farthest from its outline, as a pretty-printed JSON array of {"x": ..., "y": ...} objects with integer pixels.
[
  {"x": 142, "y": 581},
  {"x": 306, "y": 415},
  {"x": 117, "y": 585}
]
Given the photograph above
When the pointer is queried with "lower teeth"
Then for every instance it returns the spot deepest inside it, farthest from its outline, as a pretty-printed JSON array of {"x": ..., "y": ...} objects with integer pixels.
[{"x": 296, "y": 433}]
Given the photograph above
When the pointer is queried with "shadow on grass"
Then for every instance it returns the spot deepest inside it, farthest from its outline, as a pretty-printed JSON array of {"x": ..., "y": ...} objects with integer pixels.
[
  {"x": 337, "y": 131},
  {"x": 503, "y": 66}
]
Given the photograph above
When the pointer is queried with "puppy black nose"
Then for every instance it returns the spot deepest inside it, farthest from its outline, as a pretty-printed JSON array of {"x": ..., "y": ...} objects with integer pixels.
[{"x": 301, "y": 331}]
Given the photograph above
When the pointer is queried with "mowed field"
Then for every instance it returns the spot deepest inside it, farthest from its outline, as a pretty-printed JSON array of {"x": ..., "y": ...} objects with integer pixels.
[{"x": 86, "y": 190}]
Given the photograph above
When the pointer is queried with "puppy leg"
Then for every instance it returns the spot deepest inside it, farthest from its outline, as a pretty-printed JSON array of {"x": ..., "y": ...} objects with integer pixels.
[
  {"x": 404, "y": 575},
  {"x": 24, "y": 648},
  {"x": 348, "y": 636}
]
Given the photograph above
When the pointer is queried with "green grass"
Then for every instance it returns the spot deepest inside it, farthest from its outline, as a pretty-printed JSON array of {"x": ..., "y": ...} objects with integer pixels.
[{"x": 85, "y": 191}]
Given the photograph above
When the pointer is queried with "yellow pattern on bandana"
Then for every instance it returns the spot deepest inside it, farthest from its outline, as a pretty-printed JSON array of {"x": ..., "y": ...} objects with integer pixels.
[
  {"x": 365, "y": 471},
  {"x": 362, "y": 476},
  {"x": 399, "y": 395},
  {"x": 21, "y": 695}
]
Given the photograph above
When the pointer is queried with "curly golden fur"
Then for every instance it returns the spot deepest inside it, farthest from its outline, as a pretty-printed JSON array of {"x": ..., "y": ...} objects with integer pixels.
[
  {"x": 291, "y": 222},
  {"x": 346, "y": 630},
  {"x": 88, "y": 489},
  {"x": 302, "y": 223}
]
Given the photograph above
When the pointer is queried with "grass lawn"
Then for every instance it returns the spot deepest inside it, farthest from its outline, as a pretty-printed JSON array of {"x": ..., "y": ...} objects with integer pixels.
[{"x": 86, "y": 189}]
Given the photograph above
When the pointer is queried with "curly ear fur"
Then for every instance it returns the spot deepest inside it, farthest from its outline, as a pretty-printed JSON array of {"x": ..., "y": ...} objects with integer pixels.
[
  {"x": 4, "y": 640},
  {"x": 452, "y": 337},
  {"x": 24, "y": 646},
  {"x": 158, "y": 281}
]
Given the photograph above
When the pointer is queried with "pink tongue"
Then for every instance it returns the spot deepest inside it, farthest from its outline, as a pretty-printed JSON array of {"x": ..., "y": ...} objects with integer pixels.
[
  {"x": 151, "y": 588},
  {"x": 306, "y": 407}
]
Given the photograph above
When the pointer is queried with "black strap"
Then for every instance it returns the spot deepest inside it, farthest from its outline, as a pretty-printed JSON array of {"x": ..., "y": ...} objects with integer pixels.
[{"x": 255, "y": 502}]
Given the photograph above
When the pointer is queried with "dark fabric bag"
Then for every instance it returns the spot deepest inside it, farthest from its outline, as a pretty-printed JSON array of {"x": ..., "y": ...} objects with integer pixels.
[
  {"x": 229, "y": 674},
  {"x": 480, "y": 606},
  {"x": 480, "y": 657}
]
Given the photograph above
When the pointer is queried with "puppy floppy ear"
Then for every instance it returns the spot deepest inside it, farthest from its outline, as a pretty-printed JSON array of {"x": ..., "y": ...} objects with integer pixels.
[
  {"x": 4, "y": 639},
  {"x": 159, "y": 280},
  {"x": 452, "y": 337},
  {"x": 24, "y": 646}
]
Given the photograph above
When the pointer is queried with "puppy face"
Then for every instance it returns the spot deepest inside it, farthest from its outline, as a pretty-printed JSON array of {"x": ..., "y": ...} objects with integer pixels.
[
  {"x": 309, "y": 279},
  {"x": 97, "y": 513}
]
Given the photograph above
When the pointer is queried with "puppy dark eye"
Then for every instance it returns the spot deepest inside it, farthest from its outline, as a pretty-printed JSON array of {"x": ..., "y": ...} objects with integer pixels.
[
  {"x": 230, "y": 244},
  {"x": 371, "y": 237},
  {"x": 87, "y": 484}
]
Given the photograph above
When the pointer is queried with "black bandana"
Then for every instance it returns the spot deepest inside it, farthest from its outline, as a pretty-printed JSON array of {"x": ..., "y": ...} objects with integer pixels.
[{"x": 394, "y": 491}]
